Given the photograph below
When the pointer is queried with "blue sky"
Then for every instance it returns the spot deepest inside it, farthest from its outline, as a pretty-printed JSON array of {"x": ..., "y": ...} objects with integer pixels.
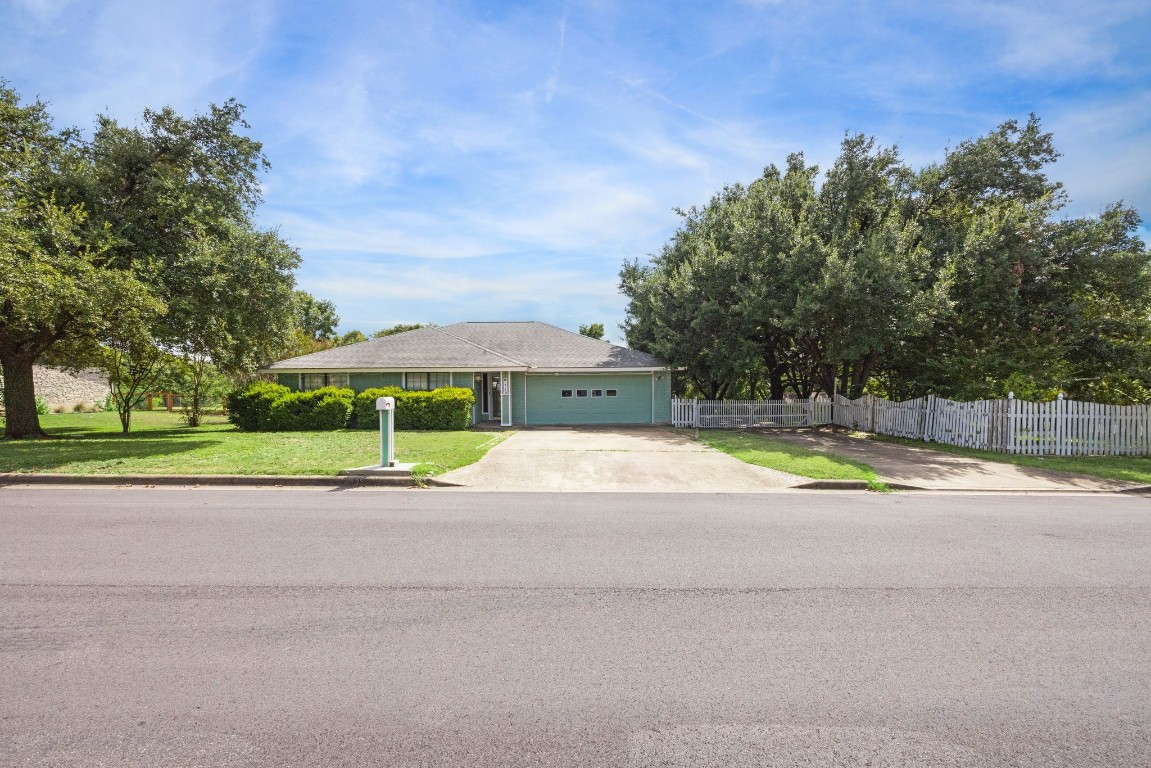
[{"x": 444, "y": 161}]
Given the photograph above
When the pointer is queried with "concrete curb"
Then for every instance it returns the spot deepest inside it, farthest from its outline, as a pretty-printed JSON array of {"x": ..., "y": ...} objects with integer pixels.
[
  {"x": 832, "y": 485},
  {"x": 328, "y": 481},
  {"x": 15, "y": 478},
  {"x": 861, "y": 485},
  {"x": 1138, "y": 490}
]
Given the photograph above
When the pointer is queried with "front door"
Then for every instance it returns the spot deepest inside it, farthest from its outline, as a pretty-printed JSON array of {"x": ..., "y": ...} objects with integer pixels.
[
  {"x": 494, "y": 395},
  {"x": 487, "y": 388}
]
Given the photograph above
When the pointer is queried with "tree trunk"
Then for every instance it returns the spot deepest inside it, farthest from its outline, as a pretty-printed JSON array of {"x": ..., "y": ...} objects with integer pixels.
[
  {"x": 20, "y": 418},
  {"x": 193, "y": 413},
  {"x": 124, "y": 411}
]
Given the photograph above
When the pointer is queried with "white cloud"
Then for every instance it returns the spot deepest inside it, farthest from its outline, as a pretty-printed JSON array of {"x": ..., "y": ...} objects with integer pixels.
[
  {"x": 1060, "y": 38},
  {"x": 1106, "y": 149}
]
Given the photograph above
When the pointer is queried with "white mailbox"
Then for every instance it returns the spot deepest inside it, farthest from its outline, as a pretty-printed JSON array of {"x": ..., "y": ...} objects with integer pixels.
[{"x": 385, "y": 403}]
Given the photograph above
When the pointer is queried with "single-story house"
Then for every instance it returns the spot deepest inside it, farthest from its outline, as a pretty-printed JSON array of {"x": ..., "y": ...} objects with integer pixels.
[{"x": 523, "y": 374}]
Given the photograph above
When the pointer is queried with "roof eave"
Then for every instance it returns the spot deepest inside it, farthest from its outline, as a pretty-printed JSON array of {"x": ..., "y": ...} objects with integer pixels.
[
  {"x": 395, "y": 369},
  {"x": 602, "y": 369}
]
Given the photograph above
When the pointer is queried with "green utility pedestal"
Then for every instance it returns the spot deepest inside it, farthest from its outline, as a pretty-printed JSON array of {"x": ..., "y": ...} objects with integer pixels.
[
  {"x": 387, "y": 472},
  {"x": 387, "y": 408}
]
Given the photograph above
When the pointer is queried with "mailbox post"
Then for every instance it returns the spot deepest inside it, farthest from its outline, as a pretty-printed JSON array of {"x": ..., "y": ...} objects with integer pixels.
[{"x": 387, "y": 408}]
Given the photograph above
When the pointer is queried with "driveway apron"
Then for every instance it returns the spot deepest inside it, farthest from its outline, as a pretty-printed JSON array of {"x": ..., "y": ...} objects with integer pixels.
[{"x": 613, "y": 459}]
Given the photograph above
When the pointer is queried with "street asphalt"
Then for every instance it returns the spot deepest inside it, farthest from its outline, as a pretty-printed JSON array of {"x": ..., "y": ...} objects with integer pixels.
[{"x": 245, "y": 627}]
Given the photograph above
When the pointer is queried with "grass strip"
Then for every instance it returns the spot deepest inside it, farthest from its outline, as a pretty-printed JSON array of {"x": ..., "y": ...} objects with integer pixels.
[
  {"x": 159, "y": 444},
  {"x": 1133, "y": 469},
  {"x": 765, "y": 451}
]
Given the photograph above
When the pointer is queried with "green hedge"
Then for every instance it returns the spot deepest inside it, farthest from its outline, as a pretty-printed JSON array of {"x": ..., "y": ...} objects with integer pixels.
[
  {"x": 444, "y": 408},
  {"x": 325, "y": 408},
  {"x": 251, "y": 407},
  {"x": 264, "y": 406}
]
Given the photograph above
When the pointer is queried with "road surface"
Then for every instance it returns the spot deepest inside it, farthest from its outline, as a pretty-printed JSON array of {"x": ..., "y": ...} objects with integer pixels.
[{"x": 233, "y": 627}]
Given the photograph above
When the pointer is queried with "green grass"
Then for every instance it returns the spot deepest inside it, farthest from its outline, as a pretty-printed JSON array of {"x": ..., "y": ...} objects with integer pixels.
[
  {"x": 1133, "y": 469},
  {"x": 159, "y": 444},
  {"x": 764, "y": 451}
]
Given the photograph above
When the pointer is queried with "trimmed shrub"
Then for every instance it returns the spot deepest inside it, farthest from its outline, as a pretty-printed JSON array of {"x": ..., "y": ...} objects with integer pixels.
[
  {"x": 443, "y": 408},
  {"x": 364, "y": 411},
  {"x": 251, "y": 407},
  {"x": 325, "y": 408}
]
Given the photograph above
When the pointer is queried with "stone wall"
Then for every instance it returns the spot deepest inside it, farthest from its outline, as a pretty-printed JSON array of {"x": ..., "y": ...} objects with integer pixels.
[{"x": 61, "y": 389}]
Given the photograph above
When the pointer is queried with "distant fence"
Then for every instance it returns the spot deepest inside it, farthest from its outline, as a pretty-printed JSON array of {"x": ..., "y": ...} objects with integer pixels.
[
  {"x": 728, "y": 414},
  {"x": 1057, "y": 428}
]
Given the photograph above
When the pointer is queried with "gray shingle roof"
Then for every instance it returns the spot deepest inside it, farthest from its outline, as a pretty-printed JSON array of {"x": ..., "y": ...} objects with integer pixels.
[{"x": 468, "y": 346}]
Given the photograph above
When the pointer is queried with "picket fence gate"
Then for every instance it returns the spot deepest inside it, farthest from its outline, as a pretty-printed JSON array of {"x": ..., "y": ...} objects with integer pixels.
[{"x": 1057, "y": 428}]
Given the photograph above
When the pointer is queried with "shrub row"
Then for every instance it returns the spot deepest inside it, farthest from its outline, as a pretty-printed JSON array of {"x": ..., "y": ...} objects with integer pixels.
[
  {"x": 444, "y": 408},
  {"x": 264, "y": 406},
  {"x": 251, "y": 408},
  {"x": 325, "y": 408}
]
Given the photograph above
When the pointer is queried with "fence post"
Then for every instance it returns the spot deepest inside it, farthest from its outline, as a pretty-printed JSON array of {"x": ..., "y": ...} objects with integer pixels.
[
  {"x": 1060, "y": 423},
  {"x": 1011, "y": 422},
  {"x": 695, "y": 413}
]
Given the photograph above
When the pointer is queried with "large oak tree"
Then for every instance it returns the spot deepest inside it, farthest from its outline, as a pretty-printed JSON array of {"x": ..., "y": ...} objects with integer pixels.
[{"x": 140, "y": 240}]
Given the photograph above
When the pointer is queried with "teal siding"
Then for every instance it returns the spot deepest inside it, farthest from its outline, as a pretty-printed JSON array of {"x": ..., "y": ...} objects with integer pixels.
[
  {"x": 632, "y": 405},
  {"x": 663, "y": 397},
  {"x": 543, "y": 404},
  {"x": 362, "y": 381}
]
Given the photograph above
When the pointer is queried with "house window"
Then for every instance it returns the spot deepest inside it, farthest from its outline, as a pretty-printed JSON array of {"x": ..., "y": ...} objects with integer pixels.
[
  {"x": 597, "y": 393},
  {"x": 310, "y": 381},
  {"x": 611, "y": 393},
  {"x": 581, "y": 393},
  {"x": 565, "y": 393},
  {"x": 424, "y": 382}
]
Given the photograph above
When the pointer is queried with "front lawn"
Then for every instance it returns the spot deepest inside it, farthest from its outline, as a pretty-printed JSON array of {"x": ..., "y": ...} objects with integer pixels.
[
  {"x": 764, "y": 451},
  {"x": 159, "y": 444},
  {"x": 1133, "y": 469}
]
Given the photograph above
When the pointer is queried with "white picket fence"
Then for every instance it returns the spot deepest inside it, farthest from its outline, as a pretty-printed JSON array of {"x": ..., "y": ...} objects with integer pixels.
[
  {"x": 1057, "y": 428},
  {"x": 728, "y": 414}
]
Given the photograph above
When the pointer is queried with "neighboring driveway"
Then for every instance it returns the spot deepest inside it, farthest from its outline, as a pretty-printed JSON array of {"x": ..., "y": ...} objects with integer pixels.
[
  {"x": 612, "y": 459},
  {"x": 936, "y": 470}
]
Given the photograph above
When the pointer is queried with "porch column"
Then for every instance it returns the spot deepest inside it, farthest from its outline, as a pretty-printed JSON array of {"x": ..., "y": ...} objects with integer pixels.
[{"x": 505, "y": 398}]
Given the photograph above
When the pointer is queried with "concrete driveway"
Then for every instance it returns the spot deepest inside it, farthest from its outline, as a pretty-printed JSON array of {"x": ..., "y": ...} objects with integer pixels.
[{"x": 612, "y": 459}]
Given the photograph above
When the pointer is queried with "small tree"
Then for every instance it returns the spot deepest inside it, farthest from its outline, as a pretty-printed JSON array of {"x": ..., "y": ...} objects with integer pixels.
[{"x": 134, "y": 367}]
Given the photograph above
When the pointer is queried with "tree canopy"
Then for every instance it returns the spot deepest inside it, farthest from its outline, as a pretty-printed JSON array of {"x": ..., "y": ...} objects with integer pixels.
[
  {"x": 955, "y": 279},
  {"x": 138, "y": 241},
  {"x": 401, "y": 328},
  {"x": 592, "y": 330}
]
